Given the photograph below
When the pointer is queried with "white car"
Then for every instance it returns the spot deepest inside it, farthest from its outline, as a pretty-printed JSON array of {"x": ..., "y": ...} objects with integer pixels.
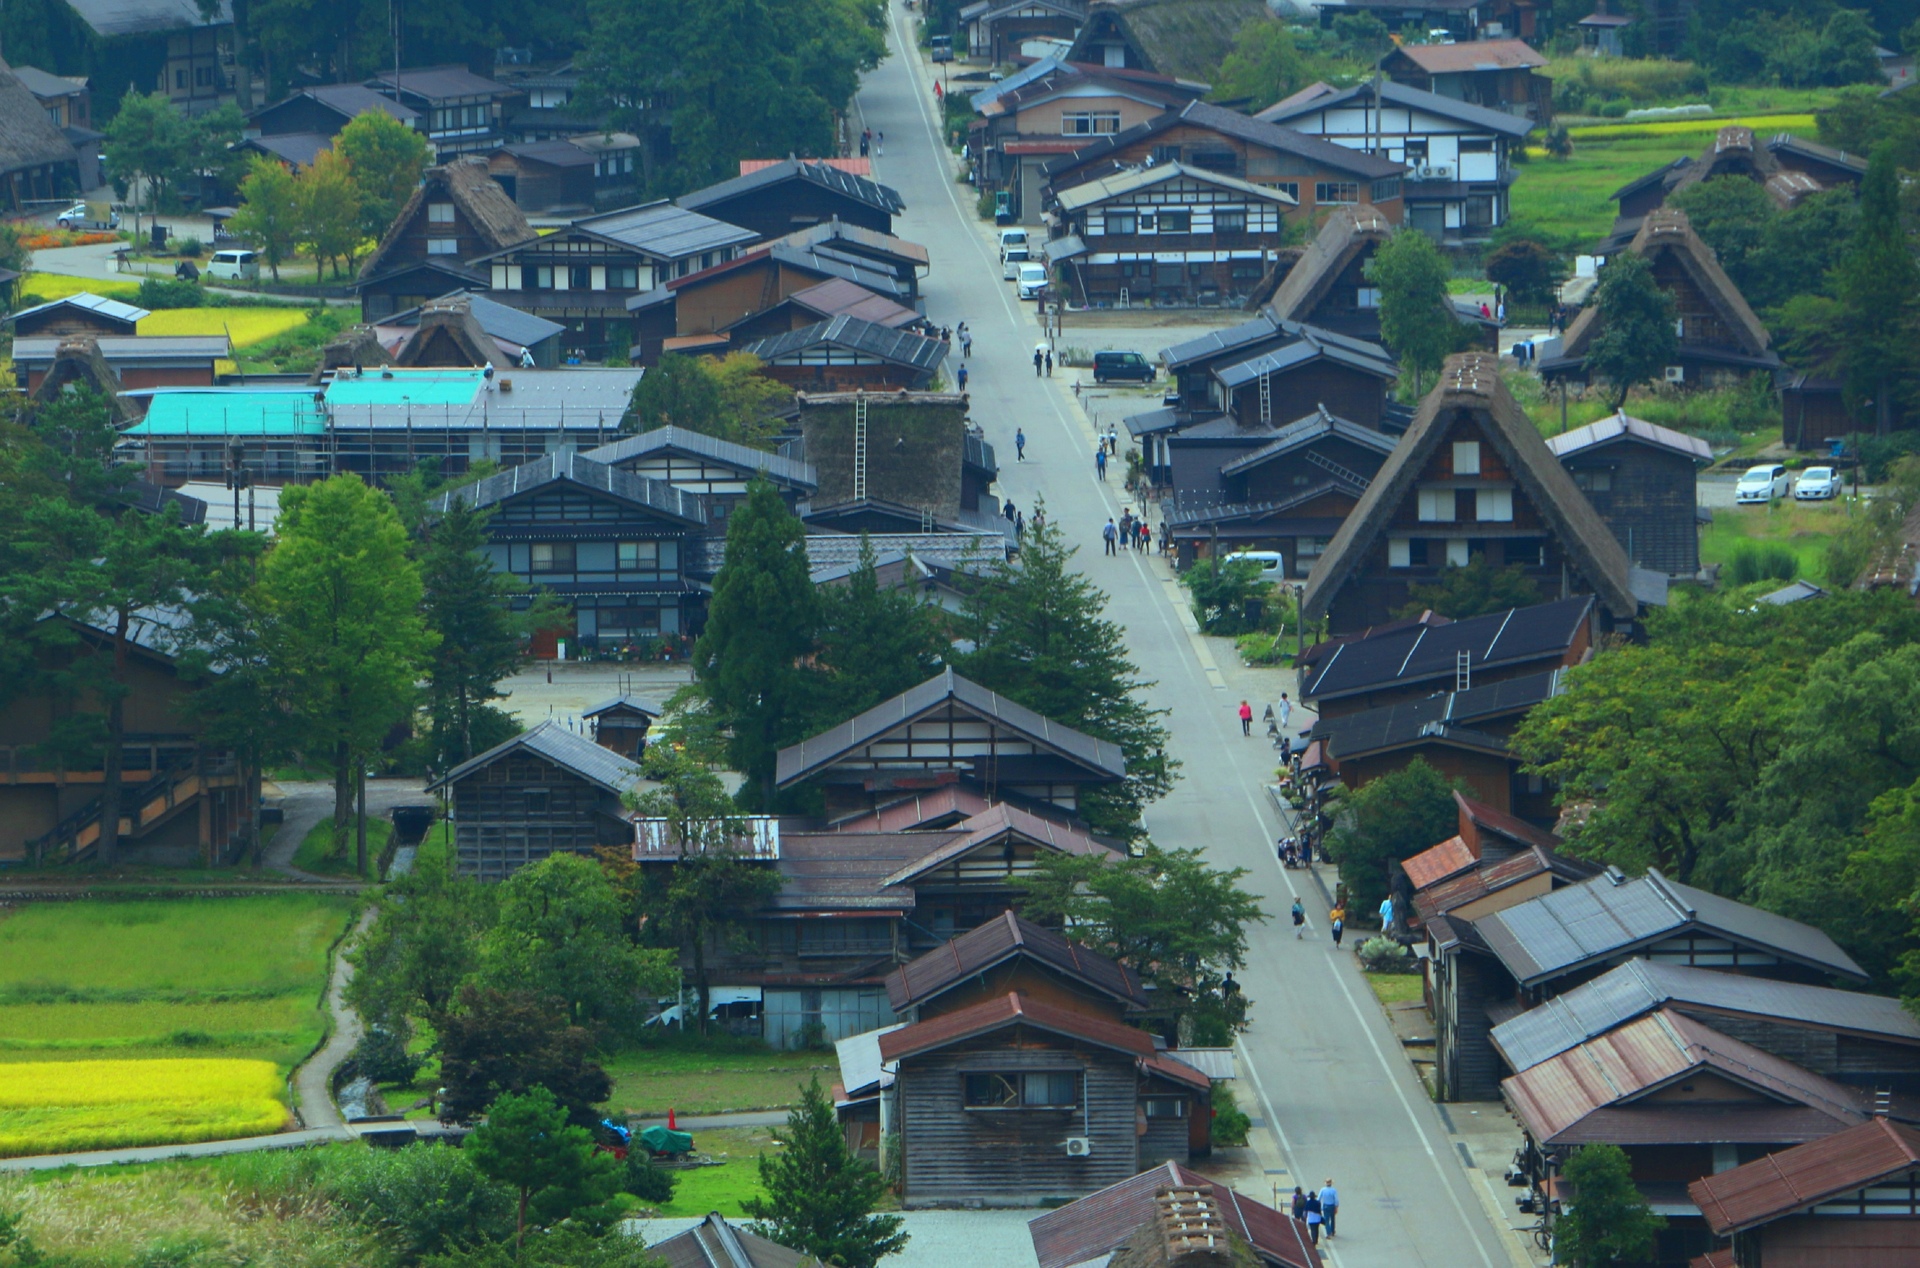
[
  {"x": 1761, "y": 484},
  {"x": 1011, "y": 261},
  {"x": 96, "y": 217},
  {"x": 1033, "y": 280},
  {"x": 235, "y": 265},
  {"x": 1817, "y": 484},
  {"x": 1010, "y": 239}
]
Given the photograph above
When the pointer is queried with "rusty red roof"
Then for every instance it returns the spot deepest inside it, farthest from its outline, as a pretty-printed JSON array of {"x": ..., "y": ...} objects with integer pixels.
[
  {"x": 1474, "y": 55},
  {"x": 1500, "y": 823},
  {"x": 1795, "y": 1179},
  {"x": 852, "y": 166},
  {"x": 951, "y": 802},
  {"x": 1168, "y": 1065},
  {"x": 999, "y": 940},
  {"x": 1459, "y": 890},
  {"x": 1003, "y": 820},
  {"x": 1100, "y": 1222},
  {"x": 1011, "y": 1009},
  {"x": 1442, "y": 862}
]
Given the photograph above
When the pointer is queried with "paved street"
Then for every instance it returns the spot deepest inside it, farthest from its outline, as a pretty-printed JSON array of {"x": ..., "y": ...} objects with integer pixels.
[{"x": 1328, "y": 1075}]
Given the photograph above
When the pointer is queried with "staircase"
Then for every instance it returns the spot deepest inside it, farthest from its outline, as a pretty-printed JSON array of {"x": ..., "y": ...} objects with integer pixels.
[{"x": 143, "y": 807}]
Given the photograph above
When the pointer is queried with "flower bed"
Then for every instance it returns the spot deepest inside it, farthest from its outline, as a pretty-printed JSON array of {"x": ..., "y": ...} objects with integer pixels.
[
  {"x": 53, "y": 239},
  {"x": 64, "y": 1106}
]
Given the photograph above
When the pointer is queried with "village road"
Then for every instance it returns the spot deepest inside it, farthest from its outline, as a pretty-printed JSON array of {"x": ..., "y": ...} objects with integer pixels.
[{"x": 1328, "y": 1073}]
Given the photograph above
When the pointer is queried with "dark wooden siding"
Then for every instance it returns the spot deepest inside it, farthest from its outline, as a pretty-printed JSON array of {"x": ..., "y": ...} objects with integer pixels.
[
  {"x": 1470, "y": 1069},
  {"x": 1649, "y": 503},
  {"x": 1351, "y": 394},
  {"x": 1014, "y": 1157},
  {"x": 499, "y": 828},
  {"x": 776, "y": 210},
  {"x": 1165, "y": 1139}
]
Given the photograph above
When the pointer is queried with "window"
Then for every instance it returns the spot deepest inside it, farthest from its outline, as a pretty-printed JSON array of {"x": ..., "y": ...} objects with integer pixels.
[
  {"x": 1593, "y": 481},
  {"x": 1398, "y": 554},
  {"x": 1039, "y": 1089},
  {"x": 1176, "y": 221},
  {"x": 443, "y": 246},
  {"x": 180, "y": 80},
  {"x": 1216, "y": 161},
  {"x": 1479, "y": 212},
  {"x": 618, "y": 621},
  {"x": 1245, "y": 270},
  {"x": 1164, "y": 1106},
  {"x": 203, "y": 77},
  {"x": 638, "y": 555},
  {"x": 439, "y": 213},
  {"x": 552, "y": 556},
  {"x": 1366, "y": 297},
  {"x": 1290, "y": 188},
  {"x": 1495, "y": 506},
  {"x": 1456, "y": 552},
  {"x": 1337, "y": 192},
  {"x": 1436, "y": 505},
  {"x": 1165, "y": 154},
  {"x": 1122, "y": 222},
  {"x": 623, "y": 277},
  {"x": 536, "y": 801},
  {"x": 1090, "y": 123},
  {"x": 1229, "y": 222},
  {"x": 1386, "y": 188},
  {"x": 536, "y": 277},
  {"x": 579, "y": 277},
  {"x": 1466, "y": 458}
]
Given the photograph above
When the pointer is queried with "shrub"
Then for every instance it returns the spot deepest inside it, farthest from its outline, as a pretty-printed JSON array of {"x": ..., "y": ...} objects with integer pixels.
[
  {"x": 1380, "y": 954},
  {"x": 1613, "y": 109},
  {"x": 645, "y": 1181},
  {"x": 382, "y": 1056},
  {"x": 1230, "y": 1122},
  {"x": 191, "y": 248},
  {"x": 166, "y": 292},
  {"x": 1221, "y": 591},
  {"x": 427, "y": 1198},
  {"x": 1761, "y": 561}
]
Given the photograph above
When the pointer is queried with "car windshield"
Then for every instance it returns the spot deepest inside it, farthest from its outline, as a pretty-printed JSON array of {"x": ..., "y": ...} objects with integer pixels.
[
  {"x": 1757, "y": 477},
  {"x": 1818, "y": 473}
]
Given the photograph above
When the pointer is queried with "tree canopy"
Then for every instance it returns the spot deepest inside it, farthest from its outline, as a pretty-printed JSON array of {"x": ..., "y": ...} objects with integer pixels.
[
  {"x": 1386, "y": 821},
  {"x": 1416, "y": 312},
  {"x": 1473, "y": 590},
  {"x": 819, "y": 1197},
  {"x": 1636, "y": 340}
]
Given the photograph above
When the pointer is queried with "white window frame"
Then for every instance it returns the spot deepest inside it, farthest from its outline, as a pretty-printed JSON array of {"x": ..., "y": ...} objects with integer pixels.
[
  {"x": 1494, "y": 506},
  {"x": 1466, "y": 457},
  {"x": 1457, "y": 555},
  {"x": 439, "y": 213},
  {"x": 443, "y": 246},
  {"x": 1436, "y": 506}
]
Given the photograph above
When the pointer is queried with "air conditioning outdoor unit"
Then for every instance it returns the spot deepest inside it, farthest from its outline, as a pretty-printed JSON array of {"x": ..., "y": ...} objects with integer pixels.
[
  {"x": 1676, "y": 374},
  {"x": 1434, "y": 172},
  {"x": 1079, "y": 1147}
]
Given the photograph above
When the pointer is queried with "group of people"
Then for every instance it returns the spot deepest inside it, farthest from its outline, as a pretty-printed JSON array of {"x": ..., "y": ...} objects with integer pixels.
[
  {"x": 1042, "y": 360},
  {"x": 872, "y": 142},
  {"x": 1134, "y": 534},
  {"x": 1317, "y": 1210},
  {"x": 1018, "y": 518}
]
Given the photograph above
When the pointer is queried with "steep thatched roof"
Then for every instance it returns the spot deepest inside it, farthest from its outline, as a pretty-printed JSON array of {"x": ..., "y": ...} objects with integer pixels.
[
  {"x": 1667, "y": 230},
  {"x": 1184, "y": 38},
  {"x": 356, "y": 346},
  {"x": 1470, "y": 383},
  {"x": 476, "y": 196},
  {"x": 79, "y": 362},
  {"x": 1348, "y": 232},
  {"x": 915, "y": 448},
  {"x": 448, "y": 335},
  {"x": 28, "y": 138}
]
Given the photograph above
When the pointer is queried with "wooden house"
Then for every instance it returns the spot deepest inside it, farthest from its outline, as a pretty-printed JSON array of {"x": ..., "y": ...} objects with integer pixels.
[
  {"x": 1813, "y": 412},
  {"x": 67, "y": 99},
  {"x": 715, "y": 471},
  {"x": 1264, "y": 372},
  {"x": 1458, "y": 155},
  {"x": 37, "y": 162},
  {"x": 606, "y": 541},
  {"x": 714, "y": 1243},
  {"x": 1317, "y": 174},
  {"x": 847, "y": 353},
  {"x": 919, "y": 461},
  {"x": 545, "y": 177},
  {"x": 1011, "y": 954},
  {"x": 1494, "y": 860},
  {"x": 1187, "y": 39},
  {"x": 1411, "y": 660},
  {"x": 1721, "y": 339},
  {"x": 1289, "y": 490},
  {"x": 997, "y": 30},
  {"x": 323, "y": 109},
  {"x": 81, "y": 314},
  {"x": 77, "y": 363},
  {"x": 1109, "y": 1222},
  {"x": 1851, "y": 1198},
  {"x": 621, "y": 724},
  {"x": 545, "y": 791},
  {"x": 458, "y": 216},
  {"x": 794, "y": 194},
  {"x": 1498, "y": 74},
  {"x": 1641, "y": 478},
  {"x": 836, "y": 239},
  {"x": 1168, "y": 234},
  {"x": 512, "y": 337},
  {"x": 1788, "y": 168},
  {"x": 822, "y": 302},
  {"x": 1684, "y": 1101},
  {"x": 137, "y": 361},
  {"x": 461, "y": 112},
  {"x": 1328, "y": 286},
  {"x": 950, "y": 730},
  {"x": 1472, "y": 477},
  {"x": 584, "y": 275}
]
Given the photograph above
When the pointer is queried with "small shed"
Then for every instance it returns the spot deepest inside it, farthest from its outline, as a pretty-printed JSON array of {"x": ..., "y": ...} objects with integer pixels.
[
  {"x": 621, "y": 724},
  {"x": 1641, "y": 478},
  {"x": 544, "y": 176},
  {"x": 81, "y": 314},
  {"x": 1813, "y": 412}
]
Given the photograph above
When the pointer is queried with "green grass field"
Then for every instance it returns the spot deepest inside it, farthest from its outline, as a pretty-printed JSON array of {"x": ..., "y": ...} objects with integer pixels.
[
  {"x": 51, "y": 286},
  {"x": 315, "y": 852},
  {"x": 1805, "y": 528},
  {"x": 1396, "y": 988},
  {"x": 725, "y": 1188},
  {"x": 245, "y": 326},
  {"x": 647, "y": 1082}
]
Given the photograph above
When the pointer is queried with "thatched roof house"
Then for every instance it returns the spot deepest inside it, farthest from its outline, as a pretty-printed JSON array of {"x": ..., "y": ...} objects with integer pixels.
[
  {"x": 1187, "y": 39},
  {"x": 78, "y": 362},
  {"x": 36, "y": 159},
  {"x": 458, "y": 214}
]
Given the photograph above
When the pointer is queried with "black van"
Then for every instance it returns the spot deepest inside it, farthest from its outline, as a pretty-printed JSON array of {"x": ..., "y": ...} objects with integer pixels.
[{"x": 1121, "y": 367}]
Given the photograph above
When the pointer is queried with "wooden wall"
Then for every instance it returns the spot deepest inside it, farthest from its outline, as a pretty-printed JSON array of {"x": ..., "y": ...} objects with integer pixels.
[
  {"x": 498, "y": 828},
  {"x": 1649, "y": 503}
]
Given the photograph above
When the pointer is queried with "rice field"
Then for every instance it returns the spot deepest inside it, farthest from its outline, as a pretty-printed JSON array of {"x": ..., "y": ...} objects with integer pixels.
[
  {"x": 245, "y": 326},
  {"x": 58, "y": 1107},
  {"x": 50, "y": 286}
]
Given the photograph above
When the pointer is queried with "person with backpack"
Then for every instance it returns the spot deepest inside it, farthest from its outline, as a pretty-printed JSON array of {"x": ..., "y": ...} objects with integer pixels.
[
  {"x": 1299, "y": 920},
  {"x": 1100, "y": 464},
  {"x": 1339, "y": 918},
  {"x": 1110, "y": 535}
]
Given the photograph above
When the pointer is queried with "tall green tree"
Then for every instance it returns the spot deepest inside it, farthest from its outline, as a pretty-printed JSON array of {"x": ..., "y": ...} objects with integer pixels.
[
  {"x": 269, "y": 213},
  {"x": 819, "y": 1198},
  {"x": 235, "y": 700},
  {"x": 1877, "y": 284},
  {"x": 874, "y": 642},
  {"x": 1527, "y": 269},
  {"x": 1609, "y": 1221},
  {"x": 329, "y": 208},
  {"x": 678, "y": 392},
  {"x": 1732, "y": 214},
  {"x": 528, "y": 1144},
  {"x": 760, "y": 624},
  {"x": 1386, "y": 821},
  {"x": 385, "y": 158},
  {"x": 1416, "y": 313},
  {"x": 410, "y": 965},
  {"x": 1040, "y": 638},
  {"x": 344, "y": 632},
  {"x": 709, "y": 899},
  {"x": 147, "y": 143},
  {"x": 1264, "y": 65},
  {"x": 1637, "y": 339}
]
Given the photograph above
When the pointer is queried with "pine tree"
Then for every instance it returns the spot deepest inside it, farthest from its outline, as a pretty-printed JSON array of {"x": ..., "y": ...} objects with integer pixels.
[
  {"x": 760, "y": 624},
  {"x": 820, "y": 1198},
  {"x": 468, "y": 605},
  {"x": 1876, "y": 283},
  {"x": 1039, "y": 638},
  {"x": 874, "y": 642},
  {"x": 527, "y": 1144}
]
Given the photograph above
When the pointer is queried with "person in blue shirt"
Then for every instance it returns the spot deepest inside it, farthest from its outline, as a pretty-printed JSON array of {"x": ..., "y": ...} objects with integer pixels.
[{"x": 1329, "y": 1205}]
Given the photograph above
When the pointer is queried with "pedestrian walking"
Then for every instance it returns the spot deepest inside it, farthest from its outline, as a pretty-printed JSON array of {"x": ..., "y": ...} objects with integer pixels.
[
  {"x": 1126, "y": 527},
  {"x": 1039, "y": 356},
  {"x": 1339, "y": 925},
  {"x": 966, "y": 340},
  {"x": 1486, "y": 313},
  {"x": 1386, "y": 914},
  {"x": 946, "y": 334},
  {"x": 1286, "y": 710},
  {"x": 1020, "y": 444},
  {"x": 962, "y": 377},
  {"x": 1246, "y": 718},
  {"x": 1315, "y": 1216},
  {"x": 1007, "y": 509},
  {"x": 1100, "y": 462},
  {"x": 866, "y": 141},
  {"x": 1299, "y": 920},
  {"x": 1329, "y": 1205},
  {"x": 1113, "y": 441},
  {"x": 1500, "y": 319},
  {"x": 1286, "y": 748},
  {"x": 1299, "y": 1203},
  {"x": 1019, "y": 526},
  {"x": 1146, "y": 536},
  {"x": 1110, "y": 534},
  {"x": 880, "y": 143},
  {"x": 1049, "y": 362}
]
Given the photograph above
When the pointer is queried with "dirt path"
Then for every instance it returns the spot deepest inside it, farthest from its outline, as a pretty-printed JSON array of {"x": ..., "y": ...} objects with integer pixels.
[{"x": 313, "y": 1082}]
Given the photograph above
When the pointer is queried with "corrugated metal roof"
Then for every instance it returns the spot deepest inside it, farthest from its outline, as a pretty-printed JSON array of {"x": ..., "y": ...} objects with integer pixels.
[
  {"x": 861, "y": 1069},
  {"x": 898, "y": 346},
  {"x": 1011, "y": 1009},
  {"x": 623, "y": 702},
  {"x": 1304, "y": 431},
  {"x": 839, "y": 295},
  {"x": 859, "y": 188},
  {"x": 1001, "y": 820},
  {"x": 1410, "y": 653},
  {"x": 1099, "y": 757},
  {"x": 664, "y": 229},
  {"x": 1640, "y": 986},
  {"x": 1284, "y": 112},
  {"x": 1081, "y": 1232},
  {"x": 1133, "y": 180},
  {"x": 502, "y": 321},
  {"x": 231, "y": 412},
  {"x": 1492, "y": 878},
  {"x": 88, "y": 302},
  {"x": 128, "y": 348},
  {"x": 1308, "y": 343},
  {"x": 356, "y": 99},
  {"x": 575, "y": 753},
  {"x": 714, "y": 1243},
  {"x": 999, "y": 940},
  {"x": 1215, "y": 1063},
  {"x": 848, "y": 871},
  {"x": 921, "y": 808},
  {"x": 742, "y": 458},
  {"x": 565, "y": 466},
  {"x": 1796, "y": 1179},
  {"x": 1620, "y": 424},
  {"x": 1445, "y": 860}
]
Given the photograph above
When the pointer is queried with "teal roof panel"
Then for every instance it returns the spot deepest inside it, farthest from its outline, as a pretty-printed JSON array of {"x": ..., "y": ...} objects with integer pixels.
[
  {"x": 231, "y": 413},
  {"x": 417, "y": 387}
]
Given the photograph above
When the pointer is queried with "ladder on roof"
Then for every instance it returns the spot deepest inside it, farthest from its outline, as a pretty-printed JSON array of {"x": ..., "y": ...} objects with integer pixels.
[
  {"x": 1463, "y": 671},
  {"x": 1266, "y": 398},
  {"x": 926, "y": 519},
  {"x": 1345, "y": 473},
  {"x": 860, "y": 447}
]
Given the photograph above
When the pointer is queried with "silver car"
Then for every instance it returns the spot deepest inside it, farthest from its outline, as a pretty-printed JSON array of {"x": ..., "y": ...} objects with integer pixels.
[
  {"x": 1761, "y": 484},
  {"x": 1817, "y": 484}
]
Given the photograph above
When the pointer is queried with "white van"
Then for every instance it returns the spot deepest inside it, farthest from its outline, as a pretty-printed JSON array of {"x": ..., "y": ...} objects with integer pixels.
[
  {"x": 238, "y": 266},
  {"x": 1011, "y": 238},
  {"x": 1273, "y": 565}
]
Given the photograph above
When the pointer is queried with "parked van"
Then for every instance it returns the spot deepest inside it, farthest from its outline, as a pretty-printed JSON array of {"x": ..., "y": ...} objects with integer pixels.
[
  {"x": 1010, "y": 238},
  {"x": 1273, "y": 566},
  {"x": 1011, "y": 258},
  {"x": 1121, "y": 367},
  {"x": 238, "y": 266},
  {"x": 1033, "y": 280}
]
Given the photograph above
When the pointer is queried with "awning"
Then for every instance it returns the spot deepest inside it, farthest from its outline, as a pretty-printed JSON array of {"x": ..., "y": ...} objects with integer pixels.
[{"x": 1065, "y": 248}]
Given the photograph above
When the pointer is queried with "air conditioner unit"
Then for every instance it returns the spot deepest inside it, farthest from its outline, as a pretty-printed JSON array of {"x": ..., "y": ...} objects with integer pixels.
[
  {"x": 1676, "y": 374},
  {"x": 1079, "y": 1147},
  {"x": 1434, "y": 172}
]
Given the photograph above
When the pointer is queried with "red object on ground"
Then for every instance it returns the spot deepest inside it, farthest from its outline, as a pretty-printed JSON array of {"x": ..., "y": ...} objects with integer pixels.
[{"x": 670, "y": 1126}]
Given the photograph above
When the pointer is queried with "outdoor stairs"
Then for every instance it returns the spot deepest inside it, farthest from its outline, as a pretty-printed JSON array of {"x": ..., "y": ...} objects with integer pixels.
[{"x": 143, "y": 807}]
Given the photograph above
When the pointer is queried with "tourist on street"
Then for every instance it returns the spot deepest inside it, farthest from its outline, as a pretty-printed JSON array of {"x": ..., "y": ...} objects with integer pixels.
[
  {"x": 1126, "y": 527},
  {"x": 1146, "y": 536},
  {"x": 1339, "y": 927},
  {"x": 946, "y": 334},
  {"x": 880, "y": 143},
  {"x": 1386, "y": 914},
  {"x": 1049, "y": 362},
  {"x": 1314, "y": 1218},
  {"x": 1039, "y": 356},
  {"x": 1100, "y": 462},
  {"x": 1299, "y": 1203},
  {"x": 1007, "y": 509},
  {"x": 866, "y": 141},
  {"x": 1286, "y": 748},
  {"x": 962, "y": 376},
  {"x": 966, "y": 340},
  {"x": 1286, "y": 710},
  {"x": 1246, "y": 718},
  {"x": 1113, "y": 441},
  {"x": 1020, "y": 444},
  {"x": 1019, "y": 526},
  {"x": 1110, "y": 534},
  {"x": 1329, "y": 1205},
  {"x": 1299, "y": 920}
]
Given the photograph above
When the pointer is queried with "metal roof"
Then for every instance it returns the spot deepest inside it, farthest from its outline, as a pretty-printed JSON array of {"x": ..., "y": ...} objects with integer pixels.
[
  {"x": 1610, "y": 915},
  {"x": 1306, "y": 430},
  {"x": 622, "y": 702},
  {"x": 1216, "y": 342},
  {"x": 565, "y": 466},
  {"x": 441, "y": 82},
  {"x": 218, "y": 411},
  {"x": 839, "y": 295},
  {"x": 1212, "y": 118},
  {"x": 1442, "y": 717},
  {"x": 1620, "y": 425},
  {"x": 1399, "y": 95},
  {"x": 1435, "y": 900},
  {"x": 999, "y": 820},
  {"x": 570, "y": 752},
  {"x": 297, "y": 148},
  {"x": 1011, "y": 1009},
  {"x": 88, "y": 302},
  {"x": 897, "y": 346},
  {"x": 142, "y": 17},
  {"x": 551, "y": 153},
  {"x": 714, "y": 1243},
  {"x": 828, "y": 872},
  {"x": 1640, "y": 986},
  {"x": 859, "y": 188},
  {"x": 576, "y": 398},
  {"x": 1003, "y": 938},
  {"x": 1412, "y": 653},
  {"x": 119, "y": 349},
  {"x": 1135, "y": 179},
  {"x": 41, "y": 84},
  {"x": 356, "y": 99},
  {"x": 1307, "y": 343},
  {"x": 1100, "y": 757},
  {"x": 1083, "y": 1232},
  {"x": 663, "y": 229},
  {"x": 780, "y": 470},
  {"x": 1796, "y": 1179},
  {"x": 1470, "y": 55},
  {"x": 501, "y": 321},
  {"x": 862, "y": 1071},
  {"x": 1440, "y": 862}
]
